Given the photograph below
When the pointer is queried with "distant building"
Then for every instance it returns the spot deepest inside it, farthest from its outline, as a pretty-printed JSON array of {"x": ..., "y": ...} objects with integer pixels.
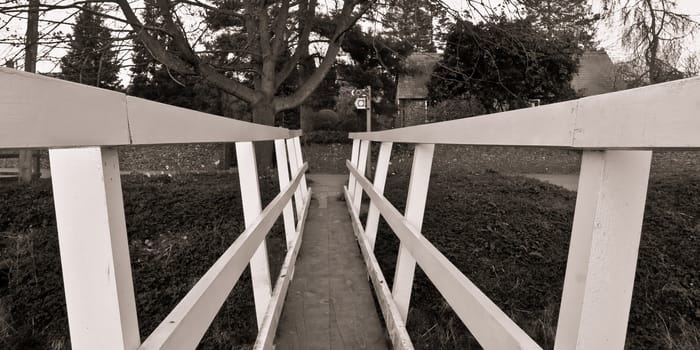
[
  {"x": 412, "y": 90},
  {"x": 596, "y": 75}
]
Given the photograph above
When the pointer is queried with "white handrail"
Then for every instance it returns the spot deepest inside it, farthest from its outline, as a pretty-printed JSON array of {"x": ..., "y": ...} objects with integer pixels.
[
  {"x": 651, "y": 117},
  {"x": 80, "y": 125},
  {"x": 489, "y": 325},
  {"x": 616, "y": 133},
  {"x": 43, "y": 112},
  {"x": 186, "y": 324}
]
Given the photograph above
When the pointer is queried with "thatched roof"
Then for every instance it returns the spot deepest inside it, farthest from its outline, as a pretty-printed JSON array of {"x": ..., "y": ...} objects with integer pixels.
[
  {"x": 596, "y": 74},
  {"x": 414, "y": 84}
]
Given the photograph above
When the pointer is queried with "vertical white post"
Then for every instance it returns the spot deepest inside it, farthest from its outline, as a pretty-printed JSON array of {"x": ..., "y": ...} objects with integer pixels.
[
  {"x": 379, "y": 182},
  {"x": 361, "y": 167},
  {"x": 252, "y": 207},
  {"x": 415, "y": 207},
  {"x": 603, "y": 251},
  {"x": 300, "y": 161},
  {"x": 295, "y": 165},
  {"x": 94, "y": 248},
  {"x": 353, "y": 160},
  {"x": 283, "y": 175}
]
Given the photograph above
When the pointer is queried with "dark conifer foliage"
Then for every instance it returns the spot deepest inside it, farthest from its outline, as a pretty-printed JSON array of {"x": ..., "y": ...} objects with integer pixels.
[
  {"x": 504, "y": 63},
  {"x": 92, "y": 57}
]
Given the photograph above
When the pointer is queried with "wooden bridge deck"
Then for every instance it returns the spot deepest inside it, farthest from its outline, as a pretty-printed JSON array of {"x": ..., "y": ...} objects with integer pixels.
[{"x": 329, "y": 303}]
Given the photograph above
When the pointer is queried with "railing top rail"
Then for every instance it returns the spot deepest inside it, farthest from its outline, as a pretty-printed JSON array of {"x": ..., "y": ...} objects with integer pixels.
[
  {"x": 657, "y": 116},
  {"x": 42, "y": 112}
]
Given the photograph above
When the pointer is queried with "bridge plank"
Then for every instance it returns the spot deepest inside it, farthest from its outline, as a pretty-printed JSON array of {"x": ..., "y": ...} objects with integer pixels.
[
  {"x": 329, "y": 304},
  {"x": 392, "y": 318},
  {"x": 489, "y": 324}
]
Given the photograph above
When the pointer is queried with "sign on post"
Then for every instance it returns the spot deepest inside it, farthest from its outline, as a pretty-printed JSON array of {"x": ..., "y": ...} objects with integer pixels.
[{"x": 361, "y": 102}]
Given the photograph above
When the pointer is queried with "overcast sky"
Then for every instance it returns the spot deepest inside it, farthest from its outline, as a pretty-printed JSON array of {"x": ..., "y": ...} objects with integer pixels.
[{"x": 608, "y": 35}]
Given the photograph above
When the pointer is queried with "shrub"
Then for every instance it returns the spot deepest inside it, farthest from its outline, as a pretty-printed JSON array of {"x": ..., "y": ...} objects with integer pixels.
[{"x": 327, "y": 136}]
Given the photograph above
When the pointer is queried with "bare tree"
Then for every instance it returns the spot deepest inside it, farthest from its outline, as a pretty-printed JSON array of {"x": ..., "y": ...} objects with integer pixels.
[
  {"x": 653, "y": 30},
  {"x": 274, "y": 36}
]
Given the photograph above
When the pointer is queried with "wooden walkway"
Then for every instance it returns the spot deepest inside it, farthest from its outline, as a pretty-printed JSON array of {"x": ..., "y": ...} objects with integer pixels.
[{"x": 329, "y": 303}]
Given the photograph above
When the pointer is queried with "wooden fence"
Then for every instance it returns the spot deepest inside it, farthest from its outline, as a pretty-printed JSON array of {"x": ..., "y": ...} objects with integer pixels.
[
  {"x": 616, "y": 132},
  {"x": 82, "y": 126}
]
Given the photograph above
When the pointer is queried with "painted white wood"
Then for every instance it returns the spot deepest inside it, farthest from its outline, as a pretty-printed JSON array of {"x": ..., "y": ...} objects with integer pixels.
[
  {"x": 415, "y": 207},
  {"x": 355, "y": 153},
  {"x": 252, "y": 207},
  {"x": 69, "y": 115},
  {"x": 655, "y": 116},
  {"x": 603, "y": 251},
  {"x": 394, "y": 323},
  {"x": 661, "y": 115},
  {"x": 37, "y": 111},
  {"x": 549, "y": 125},
  {"x": 94, "y": 248},
  {"x": 491, "y": 327},
  {"x": 300, "y": 160},
  {"x": 295, "y": 165},
  {"x": 187, "y": 323},
  {"x": 268, "y": 330},
  {"x": 362, "y": 166},
  {"x": 157, "y": 123},
  {"x": 295, "y": 133},
  {"x": 283, "y": 175},
  {"x": 379, "y": 182}
]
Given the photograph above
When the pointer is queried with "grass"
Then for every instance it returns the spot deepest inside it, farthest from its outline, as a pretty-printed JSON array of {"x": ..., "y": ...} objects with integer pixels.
[
  {"x": 479, "y": 159},
  {"x": 510, "y": 236},
  {"x": 178, "y": 226}
]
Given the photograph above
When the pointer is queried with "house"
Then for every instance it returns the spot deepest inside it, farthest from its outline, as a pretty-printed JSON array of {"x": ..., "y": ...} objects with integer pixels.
[
  {"x": 597, "y": 75},
  {"x": 412, "y": 89}
]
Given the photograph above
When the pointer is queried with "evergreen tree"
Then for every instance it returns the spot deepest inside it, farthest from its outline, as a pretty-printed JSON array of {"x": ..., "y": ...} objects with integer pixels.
[
  {"x": 503, "y": 63},
  {"x": 411, "y": 21},
  {"x": 376, "y": 61},
  {"x": 570, "y": 20},
  {"x": 91, "y": 58}
]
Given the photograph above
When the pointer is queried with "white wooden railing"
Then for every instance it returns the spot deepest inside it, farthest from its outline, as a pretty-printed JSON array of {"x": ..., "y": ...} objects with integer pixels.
[
  {"x": 81, "y": 126},
  {"x": 616, "y": 132}
]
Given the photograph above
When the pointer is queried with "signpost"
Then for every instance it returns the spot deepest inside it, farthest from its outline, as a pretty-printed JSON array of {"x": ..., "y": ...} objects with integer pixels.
[{"x": 364, "y": 101}]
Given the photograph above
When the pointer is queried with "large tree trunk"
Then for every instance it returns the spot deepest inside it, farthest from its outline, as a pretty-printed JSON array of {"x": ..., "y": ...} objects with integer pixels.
[
  {"x": 305, "y": 110},
  {"x": 234, "y": 108},
  {"x": 653, "y": 49},
  {"x": 264, "y": 113},
  {"x": 24, "y": 163},
  {"x": 306, "y": 123}
]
